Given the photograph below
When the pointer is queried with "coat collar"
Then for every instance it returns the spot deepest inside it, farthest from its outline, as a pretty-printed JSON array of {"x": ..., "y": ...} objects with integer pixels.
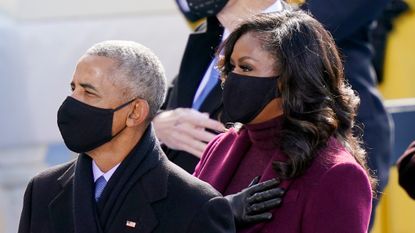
[
  {"x": 60, "y": 207},
  {"x": 67, "y": 176},
  {"x": 135, "y": 212}
]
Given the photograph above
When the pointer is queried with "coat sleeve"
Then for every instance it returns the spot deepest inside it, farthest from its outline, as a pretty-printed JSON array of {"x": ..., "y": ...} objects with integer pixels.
[
  {"x": 25, "y": 218},
  {"x": 406, "y": 170},
  {"x": 214, "y": 217},
  {"x": 207, "y": 153},
  {"x": 342, "y": 202},
  {"x": 343, "y": 18}
]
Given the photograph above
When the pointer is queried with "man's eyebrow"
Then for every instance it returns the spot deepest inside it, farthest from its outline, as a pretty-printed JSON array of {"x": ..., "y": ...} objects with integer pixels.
[{"x": 88, "y": 86}]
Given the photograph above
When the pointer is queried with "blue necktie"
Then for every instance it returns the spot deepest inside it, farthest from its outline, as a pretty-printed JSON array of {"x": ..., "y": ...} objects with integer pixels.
[
  {"x": 211, "y": 83},
  {"x": 99, "y": 187}
]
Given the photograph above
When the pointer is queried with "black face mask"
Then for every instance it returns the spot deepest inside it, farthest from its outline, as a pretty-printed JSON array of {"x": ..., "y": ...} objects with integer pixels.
[
  {"x": 199, "y": 9},
  {"x": 244, "y": 97},
  {"x": 84, "y": 127}
]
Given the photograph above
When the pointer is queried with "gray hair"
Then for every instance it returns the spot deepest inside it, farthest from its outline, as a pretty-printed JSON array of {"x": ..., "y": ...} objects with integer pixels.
[{"x": 143, "y": 74}]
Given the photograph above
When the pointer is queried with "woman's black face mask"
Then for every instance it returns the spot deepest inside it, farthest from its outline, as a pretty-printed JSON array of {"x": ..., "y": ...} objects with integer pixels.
[{"x": 244, "y": 97}]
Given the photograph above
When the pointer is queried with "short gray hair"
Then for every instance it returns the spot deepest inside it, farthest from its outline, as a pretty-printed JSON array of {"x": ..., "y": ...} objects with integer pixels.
[{"x": 143, "y": 73}]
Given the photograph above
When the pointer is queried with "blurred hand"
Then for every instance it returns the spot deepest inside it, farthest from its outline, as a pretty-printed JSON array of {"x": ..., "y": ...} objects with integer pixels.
[
  {"x": 185, "y": 129},
  {"x": 251, "y": 204}
]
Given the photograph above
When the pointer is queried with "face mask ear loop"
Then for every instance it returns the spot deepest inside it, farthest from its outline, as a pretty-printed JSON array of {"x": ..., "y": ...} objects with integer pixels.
[
  {"x": 118, "y": 108},
  {"x": 123, "y": 105},
  {"x": 277, "y": 91}
]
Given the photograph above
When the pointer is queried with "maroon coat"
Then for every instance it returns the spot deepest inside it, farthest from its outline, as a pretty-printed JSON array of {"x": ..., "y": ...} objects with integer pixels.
[{"x": 333, "y": 195}]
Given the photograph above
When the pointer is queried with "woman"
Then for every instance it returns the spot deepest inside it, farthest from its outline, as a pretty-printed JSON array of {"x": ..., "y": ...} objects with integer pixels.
[{"x": 283, "y": 82}]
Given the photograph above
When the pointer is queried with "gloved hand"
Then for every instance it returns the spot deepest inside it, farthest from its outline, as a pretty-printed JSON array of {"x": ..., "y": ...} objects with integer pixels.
[{"x": 250, "y": 205}]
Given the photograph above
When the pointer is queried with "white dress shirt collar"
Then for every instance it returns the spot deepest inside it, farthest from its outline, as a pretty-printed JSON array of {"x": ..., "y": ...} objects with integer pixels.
[{"x": 98, "y": 173}]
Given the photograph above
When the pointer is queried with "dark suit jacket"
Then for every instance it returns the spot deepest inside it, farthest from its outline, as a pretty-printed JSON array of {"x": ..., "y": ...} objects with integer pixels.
[
  {"x": 158, "y": 196},
  {"x": 199, "y": 53},
  {"x": 406, "y": 169}
]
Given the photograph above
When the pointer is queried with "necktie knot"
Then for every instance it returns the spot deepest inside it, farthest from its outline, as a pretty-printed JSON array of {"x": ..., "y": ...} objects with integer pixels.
[{"x": 100, "y": 184}]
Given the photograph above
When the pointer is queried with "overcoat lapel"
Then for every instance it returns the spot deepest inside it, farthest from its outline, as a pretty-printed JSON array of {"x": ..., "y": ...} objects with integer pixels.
[
  {"x": 61, "y": 208},
  {"x": 73, "y": 209},
  {"x": 201, "y": 47},
  {"x": 85, "y": 216}
]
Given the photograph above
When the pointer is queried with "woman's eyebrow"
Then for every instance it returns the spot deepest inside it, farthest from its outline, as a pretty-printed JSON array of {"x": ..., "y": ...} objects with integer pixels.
[{"x": 246, "y": 58}]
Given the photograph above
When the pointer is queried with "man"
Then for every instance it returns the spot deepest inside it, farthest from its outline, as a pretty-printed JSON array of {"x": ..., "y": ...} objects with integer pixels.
[
  {"x": 117, "y": 89},
  {"x": 194, "y": 106}
]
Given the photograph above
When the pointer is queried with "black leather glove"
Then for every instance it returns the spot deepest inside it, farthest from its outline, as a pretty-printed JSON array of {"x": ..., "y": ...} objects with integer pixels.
[{"x": 250, "y": 205}]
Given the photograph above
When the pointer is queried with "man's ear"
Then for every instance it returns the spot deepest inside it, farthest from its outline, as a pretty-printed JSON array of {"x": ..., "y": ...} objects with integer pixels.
[{"x": 139, "y": 114}]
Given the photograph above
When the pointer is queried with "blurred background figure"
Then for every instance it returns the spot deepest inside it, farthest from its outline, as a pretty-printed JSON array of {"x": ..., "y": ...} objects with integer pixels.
[
  {"x": 406, "y": 168},
  {"x": 396, "y": 209},
  {"x": 40, "y": 40},
  {"x": 384, "y": 24},
  {"x": 194, "y": 106}
]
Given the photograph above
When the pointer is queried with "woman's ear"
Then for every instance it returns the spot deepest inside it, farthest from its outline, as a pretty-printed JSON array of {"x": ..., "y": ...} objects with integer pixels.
[{"x": 139, "y": 114}]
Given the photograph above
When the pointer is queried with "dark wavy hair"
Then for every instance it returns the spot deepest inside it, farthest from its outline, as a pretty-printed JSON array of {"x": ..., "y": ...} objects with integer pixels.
[{"x": 316, "y": 100}]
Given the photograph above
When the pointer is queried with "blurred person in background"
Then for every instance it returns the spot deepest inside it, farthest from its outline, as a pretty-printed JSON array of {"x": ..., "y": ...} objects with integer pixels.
[
  {"x": 284, "y": 87},
  {"x": 383, "y": 27},
  {"x": 121, "y": 180},
  {"x": 193, "y": 113},
  {"x": 406, "y": 170}
]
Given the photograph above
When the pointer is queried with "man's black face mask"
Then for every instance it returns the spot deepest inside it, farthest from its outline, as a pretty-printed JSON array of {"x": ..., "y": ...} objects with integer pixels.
[
  {"x": 199, "y": 9},
  {"x": 84, "y": 127}
]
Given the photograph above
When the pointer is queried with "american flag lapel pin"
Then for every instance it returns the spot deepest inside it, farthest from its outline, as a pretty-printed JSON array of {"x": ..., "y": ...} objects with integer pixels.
[{"x": 130, "y": 224}]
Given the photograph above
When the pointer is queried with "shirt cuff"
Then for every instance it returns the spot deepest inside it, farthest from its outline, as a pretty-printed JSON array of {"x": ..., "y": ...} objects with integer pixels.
[{"x": 183, "y": 5}]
